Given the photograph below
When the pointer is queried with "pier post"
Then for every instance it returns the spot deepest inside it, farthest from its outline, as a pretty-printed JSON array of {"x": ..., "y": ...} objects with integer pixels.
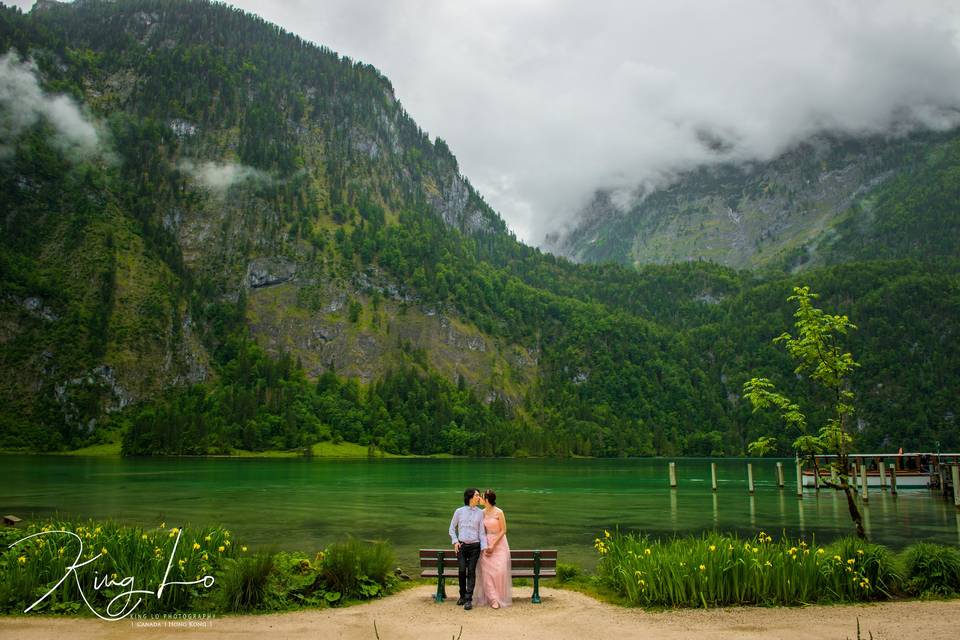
[
  {"x": 852, "y": 474},
  {"x": 955, "y": 477},
  {"x": 883, "y": 475},
  {"x": 833, "y": 473},
  {"x": 713, "y": 475},
  {"x": 750, "y": 477},
  {"x": 893, "y": 479},
  {"x": 799, "y": 480},
  {"x": 864, "y": 492},
  {"x": 780, "y": 475},
  {"x": 673, "y": 475}
]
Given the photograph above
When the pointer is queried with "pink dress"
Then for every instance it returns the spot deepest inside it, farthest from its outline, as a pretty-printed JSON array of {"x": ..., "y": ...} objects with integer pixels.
[{"x": 493, "y": 572}]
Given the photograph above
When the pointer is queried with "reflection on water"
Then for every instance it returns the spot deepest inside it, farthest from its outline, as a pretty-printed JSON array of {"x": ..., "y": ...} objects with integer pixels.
[{"x": 306, "y": 504}]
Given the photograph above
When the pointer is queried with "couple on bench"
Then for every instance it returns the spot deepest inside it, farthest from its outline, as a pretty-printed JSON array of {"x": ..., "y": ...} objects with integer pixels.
[{"x": 479, "y": 537}]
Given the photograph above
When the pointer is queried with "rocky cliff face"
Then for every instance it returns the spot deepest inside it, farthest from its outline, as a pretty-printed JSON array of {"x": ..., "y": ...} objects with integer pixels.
[
  {"x": 232, "y": 168},
  {"x": 749, "y": 215},
  {"x": 360, "y": 327}
]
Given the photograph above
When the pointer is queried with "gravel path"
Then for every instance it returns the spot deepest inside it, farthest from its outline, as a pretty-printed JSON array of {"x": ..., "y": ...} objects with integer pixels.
[{"x": 412, "y": 615}]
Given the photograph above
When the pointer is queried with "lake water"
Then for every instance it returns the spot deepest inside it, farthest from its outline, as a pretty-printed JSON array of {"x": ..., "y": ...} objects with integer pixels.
[{"x": 304, "y": 505}]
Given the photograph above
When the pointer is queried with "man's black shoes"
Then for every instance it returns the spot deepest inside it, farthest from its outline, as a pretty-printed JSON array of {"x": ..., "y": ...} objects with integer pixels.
[
  {"x": 468, "y": 606},
  {"x": 461, "y": 602}
]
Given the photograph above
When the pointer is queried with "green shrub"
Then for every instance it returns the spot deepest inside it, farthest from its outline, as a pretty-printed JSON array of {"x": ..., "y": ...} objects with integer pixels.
[
  {"x": 243, "y": 582},
  {"x": 377, "y": 562},
  {"x": 932, "y": 569},
  {"x": 354, "y": 570},
  {"x": 567, "y": 572}
]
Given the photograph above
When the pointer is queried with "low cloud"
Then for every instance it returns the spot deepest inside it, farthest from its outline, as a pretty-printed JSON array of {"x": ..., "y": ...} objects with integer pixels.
[
  {"x": 23, "y": 103},
  {"x": 544, "y": 102},
  {"x": 219, "y": 177}
]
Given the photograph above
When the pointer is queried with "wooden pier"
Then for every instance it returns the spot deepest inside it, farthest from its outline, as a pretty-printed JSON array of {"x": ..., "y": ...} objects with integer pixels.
[{"x": 938, "y": 472}]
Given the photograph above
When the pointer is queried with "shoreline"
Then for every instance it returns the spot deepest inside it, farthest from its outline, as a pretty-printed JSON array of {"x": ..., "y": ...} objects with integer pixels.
[{"x": 412, "y": 614}]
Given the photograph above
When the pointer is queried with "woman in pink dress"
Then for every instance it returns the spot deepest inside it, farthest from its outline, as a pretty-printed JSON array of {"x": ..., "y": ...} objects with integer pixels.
[{"x": 494, "y": 585}]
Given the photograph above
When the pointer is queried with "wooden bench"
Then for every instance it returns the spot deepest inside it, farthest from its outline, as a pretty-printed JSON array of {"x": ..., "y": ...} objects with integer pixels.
[{"x": 525, "y": 563}]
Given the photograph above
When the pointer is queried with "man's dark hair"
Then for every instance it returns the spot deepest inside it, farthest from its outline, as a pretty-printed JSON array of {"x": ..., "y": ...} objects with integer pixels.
[
  {"x": 469, "y": 494},
  {"x": 491, "y": 497}
]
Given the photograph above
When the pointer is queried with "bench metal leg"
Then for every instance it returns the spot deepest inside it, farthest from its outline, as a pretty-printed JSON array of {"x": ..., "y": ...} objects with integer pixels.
[
  {"x": 441, "y": 590},
  {"x": 536, "y": 578},
  {"x": 441, "y": 587}
]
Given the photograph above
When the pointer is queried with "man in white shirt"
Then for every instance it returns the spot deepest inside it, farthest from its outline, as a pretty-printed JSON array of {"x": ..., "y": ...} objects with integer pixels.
[{"x": 469, "y": 538}]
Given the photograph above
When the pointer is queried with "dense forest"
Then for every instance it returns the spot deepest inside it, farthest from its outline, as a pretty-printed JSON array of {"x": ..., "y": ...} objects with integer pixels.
[{"x": 135, "y": 299}]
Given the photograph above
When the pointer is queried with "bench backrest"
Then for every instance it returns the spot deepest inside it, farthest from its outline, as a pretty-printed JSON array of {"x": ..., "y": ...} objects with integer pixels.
[{"x": 520, "y": 559}]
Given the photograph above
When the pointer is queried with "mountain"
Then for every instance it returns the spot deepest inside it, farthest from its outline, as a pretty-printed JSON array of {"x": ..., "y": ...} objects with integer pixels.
[
  {"x": 830, "y": 199},
  {"x": 217, "y": 236}
]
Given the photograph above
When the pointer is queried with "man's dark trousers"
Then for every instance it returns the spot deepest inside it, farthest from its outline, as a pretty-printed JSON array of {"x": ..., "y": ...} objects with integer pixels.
[{"x": 467, "y": 563}]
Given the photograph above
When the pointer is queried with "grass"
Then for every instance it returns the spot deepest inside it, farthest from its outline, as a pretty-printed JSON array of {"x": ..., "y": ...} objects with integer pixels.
[
  {"x": 932, "y": 569},
  {"x": 720, "y": 570},
  {"x": 106, "y": 450},
  {"x": 338, "y": 450}
]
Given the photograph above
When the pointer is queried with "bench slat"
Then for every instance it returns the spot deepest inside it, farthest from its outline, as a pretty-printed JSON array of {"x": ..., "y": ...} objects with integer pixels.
[
  {"x": 522, "y": 573},
  {"x": 514, "y": 553},
  {"x": 517, "y": 562}
]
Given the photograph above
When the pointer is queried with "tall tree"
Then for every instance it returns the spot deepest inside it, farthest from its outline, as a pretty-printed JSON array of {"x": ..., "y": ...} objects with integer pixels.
[{"x": 820, "y": 356}]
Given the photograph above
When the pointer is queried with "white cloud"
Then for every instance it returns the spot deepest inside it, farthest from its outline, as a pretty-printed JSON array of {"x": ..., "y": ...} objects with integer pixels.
[
  {"x": 23, "y": 103},
  {"x": 218, "y": 177},
  {"x": 543, "y": 101}
]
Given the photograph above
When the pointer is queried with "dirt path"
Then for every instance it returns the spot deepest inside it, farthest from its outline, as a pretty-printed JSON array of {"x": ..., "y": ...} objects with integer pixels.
[{"x": 412, "y": 615}]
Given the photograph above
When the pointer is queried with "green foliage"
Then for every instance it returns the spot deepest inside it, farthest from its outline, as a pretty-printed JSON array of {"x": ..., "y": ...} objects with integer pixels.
[
  {"x": 820, "y": 358},
  {"x": 567, "y": 572},
  {"x": 243, "y": 582},
  {"x": 932, "y": 569},
  {"x": 826, "y": 364},
  {"x": 626, "y": 362},
  {"x": 761, "y": 446},
  {"x": 32, "y": 567},
  {"x": 720, "y": 570},
  {"x": 354, "y": 570}
]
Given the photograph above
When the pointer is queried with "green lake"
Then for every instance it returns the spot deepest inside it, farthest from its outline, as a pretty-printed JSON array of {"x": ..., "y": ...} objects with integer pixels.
[{"x": 304, "y": 505}]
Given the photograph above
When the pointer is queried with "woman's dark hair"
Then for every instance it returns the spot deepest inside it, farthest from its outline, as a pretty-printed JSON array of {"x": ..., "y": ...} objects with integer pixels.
[
  {"x": 490, "y": 496},
  {"x": 469, "y": 494}
]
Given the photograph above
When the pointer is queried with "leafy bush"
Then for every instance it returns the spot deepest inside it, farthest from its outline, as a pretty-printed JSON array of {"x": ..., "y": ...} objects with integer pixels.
[
  {"x": 932, "y": 569},
  {"x": 243, "y": 582},
  {"x": 355, "y": 570},
  {"x": 567, "y": 572}
]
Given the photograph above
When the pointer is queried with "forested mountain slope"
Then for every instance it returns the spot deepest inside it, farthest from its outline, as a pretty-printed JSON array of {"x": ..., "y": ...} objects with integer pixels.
[{"x": 219, "y": 236}]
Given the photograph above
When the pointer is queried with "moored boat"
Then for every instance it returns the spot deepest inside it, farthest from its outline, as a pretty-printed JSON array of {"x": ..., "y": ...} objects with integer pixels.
[{"x": 913, "y": 470}]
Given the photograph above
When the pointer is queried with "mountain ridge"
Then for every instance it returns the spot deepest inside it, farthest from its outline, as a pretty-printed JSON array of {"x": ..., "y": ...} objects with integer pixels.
[
  {"x": 268, "y": 252},
  {"x": 758, "y": 215}
]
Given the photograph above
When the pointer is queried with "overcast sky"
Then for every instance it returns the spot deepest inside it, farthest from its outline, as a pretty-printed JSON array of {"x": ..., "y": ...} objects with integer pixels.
[{"x": 543, "y": 101}]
